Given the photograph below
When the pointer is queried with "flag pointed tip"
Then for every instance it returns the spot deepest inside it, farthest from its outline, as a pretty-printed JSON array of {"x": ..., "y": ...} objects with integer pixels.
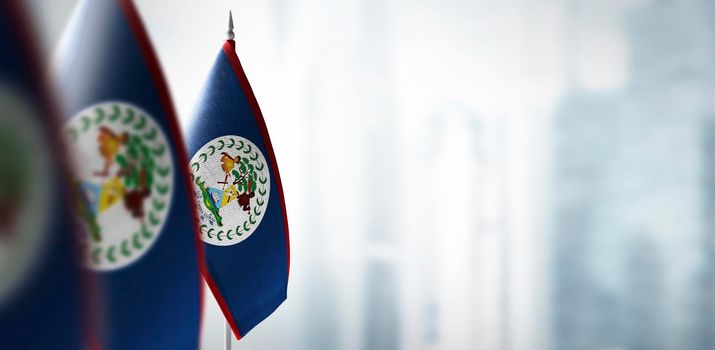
[{"x": 231, "y": 35}]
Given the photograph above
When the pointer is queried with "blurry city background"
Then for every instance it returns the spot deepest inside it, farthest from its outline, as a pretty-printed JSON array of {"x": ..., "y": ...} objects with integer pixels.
[{"x": 474, "y": 174}]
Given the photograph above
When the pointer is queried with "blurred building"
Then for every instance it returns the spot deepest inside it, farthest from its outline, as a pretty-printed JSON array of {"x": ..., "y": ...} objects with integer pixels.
[{"x": 630, "y": 222}]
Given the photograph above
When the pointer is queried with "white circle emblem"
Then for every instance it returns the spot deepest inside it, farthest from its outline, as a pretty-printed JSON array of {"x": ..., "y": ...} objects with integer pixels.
[
  {"x": 232, "y": 186},
  {"x": 122, "y": 182},
  {"x": 26, "y": 194}
]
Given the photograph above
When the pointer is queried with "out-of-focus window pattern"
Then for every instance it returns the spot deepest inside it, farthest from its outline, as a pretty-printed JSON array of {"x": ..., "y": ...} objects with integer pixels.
[{"x": 475, "y": 174}]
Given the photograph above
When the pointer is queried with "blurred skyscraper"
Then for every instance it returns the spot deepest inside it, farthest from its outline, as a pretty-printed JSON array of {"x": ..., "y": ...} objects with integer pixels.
[
  {"x": 382, "y": 311},
  {"x": 630, "y": 222}
]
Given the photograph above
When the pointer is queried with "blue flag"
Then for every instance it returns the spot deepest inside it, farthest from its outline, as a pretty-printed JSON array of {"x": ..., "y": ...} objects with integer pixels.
[
  {"x": 239, "y": 197},
  {"x": 39, "y": 285},
  {"x": 130, "y": 182}
]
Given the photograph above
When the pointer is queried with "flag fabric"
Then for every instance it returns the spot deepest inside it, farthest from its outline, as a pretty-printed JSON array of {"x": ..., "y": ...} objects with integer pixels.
[
  {"x": 239, "y": 196},
  {"x": 130, "y": 184},
  {"x": 39, "y": 285}
]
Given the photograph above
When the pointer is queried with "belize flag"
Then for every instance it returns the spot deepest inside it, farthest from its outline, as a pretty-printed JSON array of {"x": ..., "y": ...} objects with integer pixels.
[
  {"x": 130, "y": 184},
  {"x": 39, "y": 288},
  {"x": 239, "y": 198}
]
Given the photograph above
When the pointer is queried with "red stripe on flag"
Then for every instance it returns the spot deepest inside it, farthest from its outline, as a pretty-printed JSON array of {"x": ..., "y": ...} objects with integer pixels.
[
  {"x": 142, "y": 38},
  {"x": 229, "y": 48}
]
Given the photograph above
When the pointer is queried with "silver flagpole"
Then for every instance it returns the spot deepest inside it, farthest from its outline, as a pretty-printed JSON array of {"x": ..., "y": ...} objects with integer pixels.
[
  {"x": 228, "y": 334},
  {"x": 230, "y": 34},
  {"x": 227, "y": 337}
]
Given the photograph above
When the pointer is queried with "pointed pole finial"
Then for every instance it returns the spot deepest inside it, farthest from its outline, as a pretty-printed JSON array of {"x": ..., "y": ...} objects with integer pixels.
[{"x": 231, "y": 35}]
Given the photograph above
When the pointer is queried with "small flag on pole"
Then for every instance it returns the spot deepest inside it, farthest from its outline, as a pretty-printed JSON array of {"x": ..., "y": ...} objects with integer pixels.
[
  {"x": 39, "y": 289},
  {"x": 239, "y": 195},
  {"x": 130, "y": 182}
]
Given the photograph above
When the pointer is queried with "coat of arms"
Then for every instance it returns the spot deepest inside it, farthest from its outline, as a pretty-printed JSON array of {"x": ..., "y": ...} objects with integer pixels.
[
  {"x": 232, "y": 185},
  {"x": 122, "y": 182}
]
